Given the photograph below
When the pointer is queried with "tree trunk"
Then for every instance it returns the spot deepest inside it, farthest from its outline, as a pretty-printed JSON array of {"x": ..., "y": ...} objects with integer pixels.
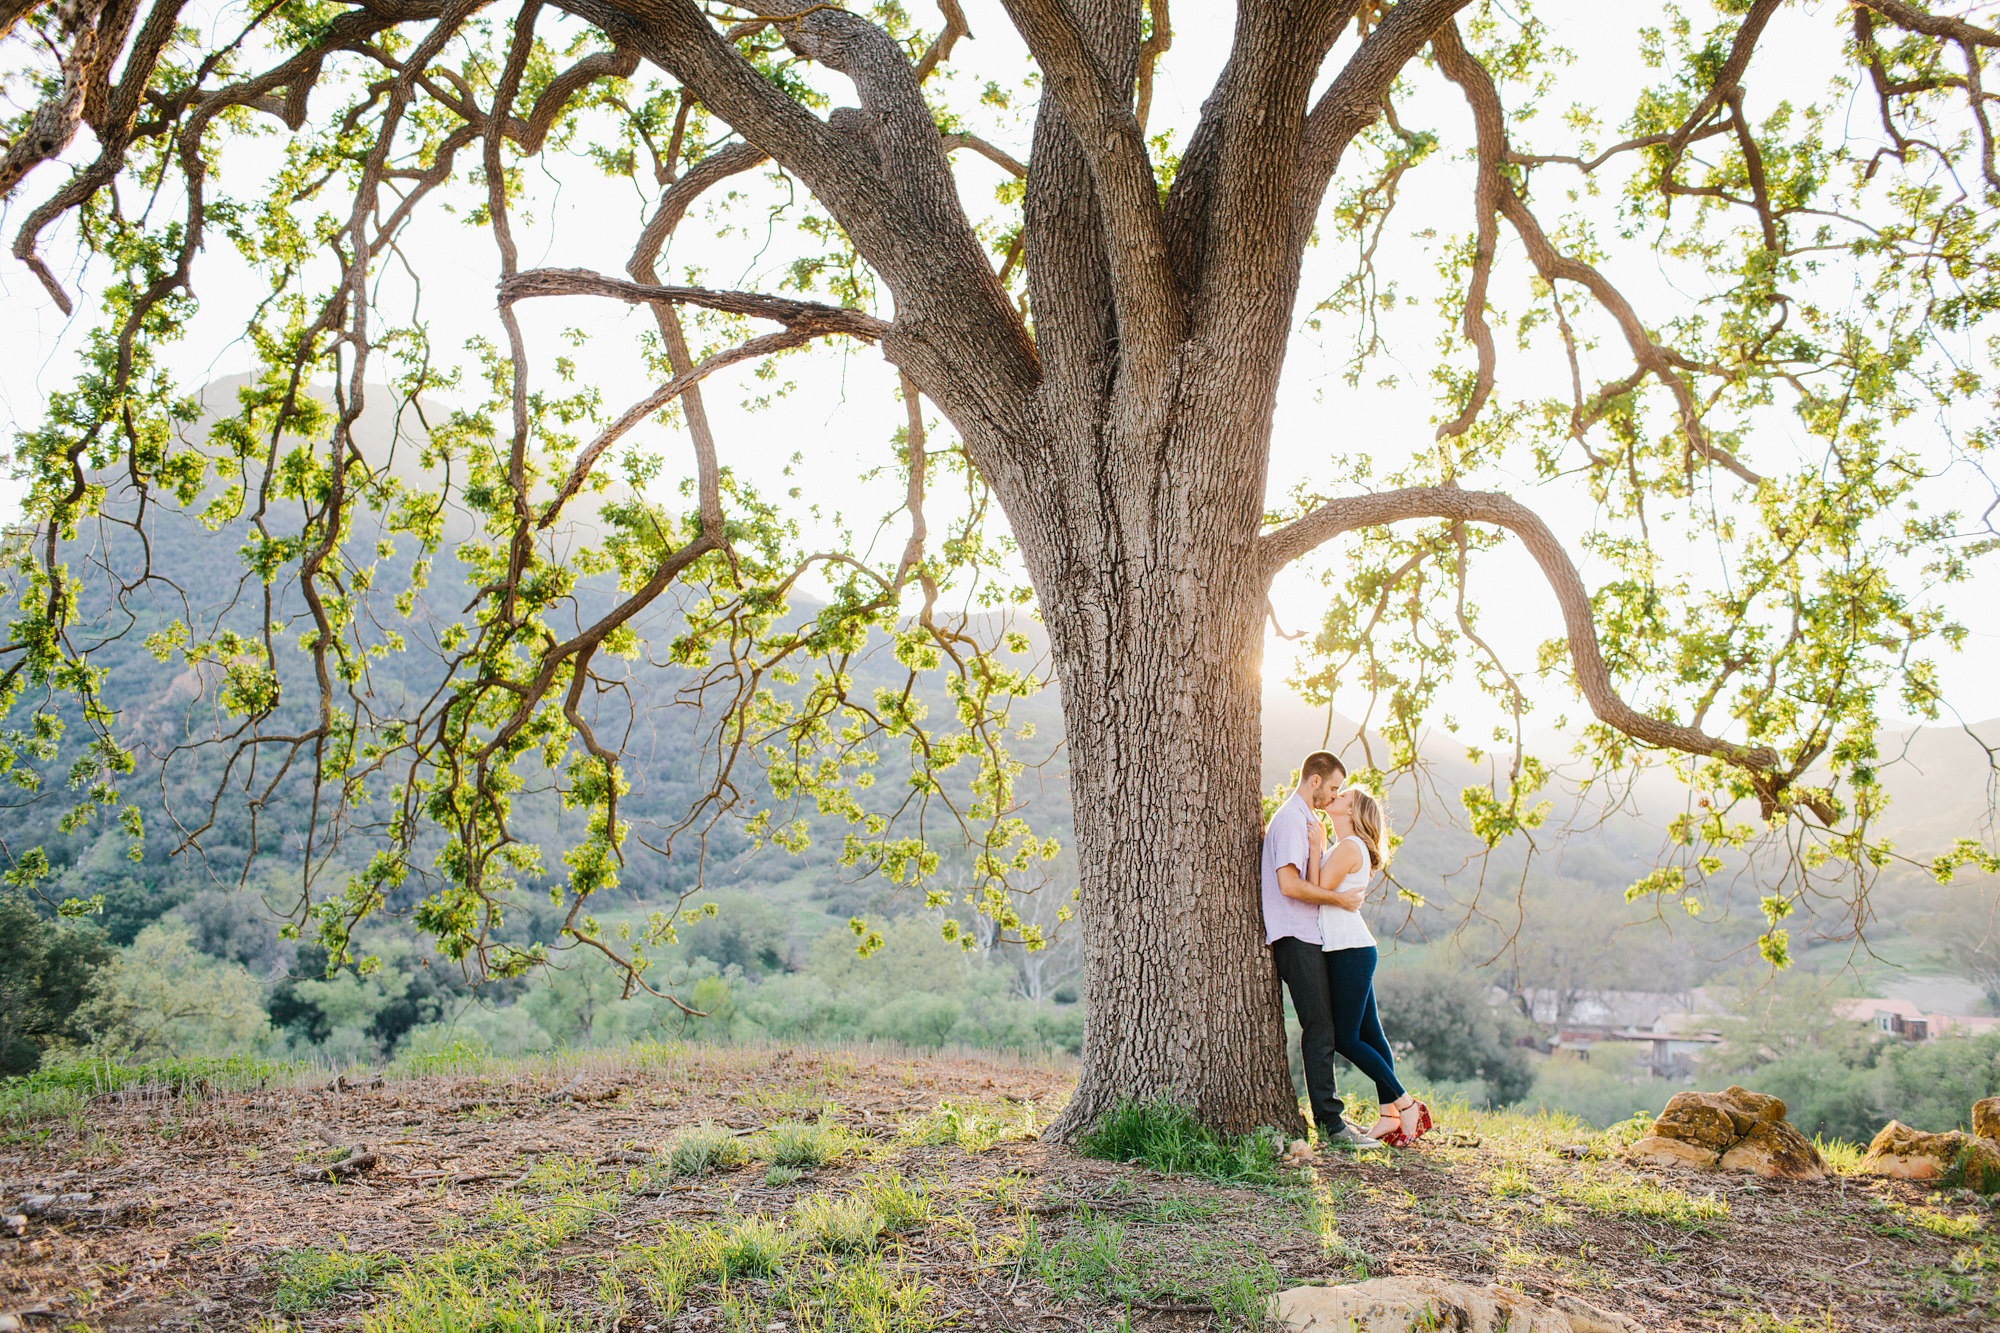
[{"x": 1141, "y": 546}]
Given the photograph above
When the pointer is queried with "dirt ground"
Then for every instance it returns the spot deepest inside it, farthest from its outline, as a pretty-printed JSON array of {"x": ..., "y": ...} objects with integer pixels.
[{"x": 221, "y": 1209}]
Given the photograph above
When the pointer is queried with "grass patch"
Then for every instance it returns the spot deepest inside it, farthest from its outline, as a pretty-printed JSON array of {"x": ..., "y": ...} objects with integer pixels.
[
  {"x": 1841, "y": 1157},
  {"x": 62, "y": 1088},
  {"x": 556, "y": 1174},
  {"x": 964, "y": 1125},
  {"x": 308, "y": 1279},
  {"x": 697, "y": 1150},
  {"x": 899, "y": 1204},
  {"x": 779, "y": 1176},
  {"x": 754, "y": 1248},
  {"x": 1122, "y": 1267},
  {"x": 873, "y": 1296},
  {"x": 1936, "y": 1221},
  {"x": 1165, "y": 1135},
  {"x": 840, "y": 1225},
  {"x": 460, "y": 1055},
  {"x": 802, "y": 1146},
  {"x": 1620, "y": 1195},
  {"x": 440, "y": 1301}
]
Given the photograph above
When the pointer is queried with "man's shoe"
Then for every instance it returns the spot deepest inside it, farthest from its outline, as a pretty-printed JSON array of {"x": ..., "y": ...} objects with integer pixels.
[{"x": 1346, "y": 1137}]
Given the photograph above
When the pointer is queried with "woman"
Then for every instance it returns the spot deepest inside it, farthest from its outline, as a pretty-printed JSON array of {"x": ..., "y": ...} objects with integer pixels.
[{"x": 1346, "y": 868}]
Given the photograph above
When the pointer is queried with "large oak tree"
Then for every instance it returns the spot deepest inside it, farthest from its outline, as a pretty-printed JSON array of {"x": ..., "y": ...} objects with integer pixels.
[{"x": 1108, "y": 363}]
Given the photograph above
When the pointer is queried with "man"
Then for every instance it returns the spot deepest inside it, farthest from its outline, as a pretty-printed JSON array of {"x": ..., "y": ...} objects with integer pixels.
[{"x": 1293, "y": 845}]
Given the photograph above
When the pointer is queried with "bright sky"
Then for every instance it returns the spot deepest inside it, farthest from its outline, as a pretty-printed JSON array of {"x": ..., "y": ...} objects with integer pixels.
[{"x": 843, "y": 411}]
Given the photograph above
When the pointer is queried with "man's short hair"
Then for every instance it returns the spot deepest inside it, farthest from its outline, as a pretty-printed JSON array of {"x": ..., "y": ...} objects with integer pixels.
[{"x": 1321, "y": 764}]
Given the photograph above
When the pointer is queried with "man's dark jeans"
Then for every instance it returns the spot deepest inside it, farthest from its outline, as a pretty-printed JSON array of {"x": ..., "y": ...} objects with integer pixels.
[{"x": 1303, "y": 967}]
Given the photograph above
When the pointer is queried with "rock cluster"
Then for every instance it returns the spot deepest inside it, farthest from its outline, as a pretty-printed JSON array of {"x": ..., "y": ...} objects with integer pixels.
[
  {"x": 1736, "y": 1130},
  {"x": 1972, "y": 1160},
  {"x": 1416, "y": 1304}
]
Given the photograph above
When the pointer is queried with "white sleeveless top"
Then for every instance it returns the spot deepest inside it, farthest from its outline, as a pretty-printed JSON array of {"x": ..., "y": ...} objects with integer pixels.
[{"x": 1338, "y": 927}]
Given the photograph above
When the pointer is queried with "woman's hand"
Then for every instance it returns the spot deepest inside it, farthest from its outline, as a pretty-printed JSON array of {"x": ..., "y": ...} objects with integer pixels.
[{"x": 1316, "y": 834}]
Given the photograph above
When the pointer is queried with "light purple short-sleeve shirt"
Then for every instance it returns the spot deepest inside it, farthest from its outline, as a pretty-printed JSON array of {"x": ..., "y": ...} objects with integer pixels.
[{"x": 1288, "y": 841}]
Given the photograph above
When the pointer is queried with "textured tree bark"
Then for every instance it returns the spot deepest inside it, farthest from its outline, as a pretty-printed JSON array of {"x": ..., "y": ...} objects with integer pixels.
[
  {"x": 1139, "y": 541},
  {"x": 1158, "y": 665}
]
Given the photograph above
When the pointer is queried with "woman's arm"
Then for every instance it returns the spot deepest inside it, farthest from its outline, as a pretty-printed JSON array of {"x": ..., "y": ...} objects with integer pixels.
[{"x": 1336, "y": 865}]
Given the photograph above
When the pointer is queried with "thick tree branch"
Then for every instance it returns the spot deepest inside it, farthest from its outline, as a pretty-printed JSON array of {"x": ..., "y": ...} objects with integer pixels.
[
  {"x": 1354, "y": 98},
  {"x": 821, "y": 319},
  {"x": 956, "y": 330},
  {"x": 1920, "y": 20},
  {"x": 1278, "y": 548},
  {"x": 55, "y": 121},
  {"x": 1150, "y": 305},
  {"x": 939, "y": 50},
  {"x": 12, "y": 11}
]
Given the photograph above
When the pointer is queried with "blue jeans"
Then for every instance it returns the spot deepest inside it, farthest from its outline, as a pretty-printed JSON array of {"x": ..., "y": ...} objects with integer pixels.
[{"x": 1357, "y": 1032}]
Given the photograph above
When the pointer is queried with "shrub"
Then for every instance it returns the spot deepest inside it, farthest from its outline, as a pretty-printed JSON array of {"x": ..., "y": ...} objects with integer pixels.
[
  {"x": 1452, "y": 1033},
  {"x": 965, "y": 1126},
  {"x": 46, "y": 974}
]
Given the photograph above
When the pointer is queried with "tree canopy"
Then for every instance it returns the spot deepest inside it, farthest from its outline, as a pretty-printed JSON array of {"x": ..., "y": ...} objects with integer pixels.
[{"x": 1728, "y": 351}]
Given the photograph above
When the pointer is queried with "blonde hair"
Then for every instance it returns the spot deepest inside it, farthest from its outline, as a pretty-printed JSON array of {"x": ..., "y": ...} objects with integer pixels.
[{"x": 1367, "y": 816}]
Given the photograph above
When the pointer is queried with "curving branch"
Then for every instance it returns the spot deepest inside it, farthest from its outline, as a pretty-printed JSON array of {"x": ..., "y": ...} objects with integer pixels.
[
  {"x": 958, "y": 334},
  {"x": 587, "y": 457},
  {"x": 1280, "y": 547},
  {"x": 1931, "y": 25},
  {"x": 1000, "y": 157},
  {"x": 803, "y": 321},
  {"x": 1354, "y": 98},
  {"x": 1725, "y": 82},
  {"x": 939, "y": 50},
  {"x": 1483, "y": 97}
]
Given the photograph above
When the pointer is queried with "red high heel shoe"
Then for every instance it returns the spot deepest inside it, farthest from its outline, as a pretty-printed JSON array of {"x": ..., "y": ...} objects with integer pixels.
[{"x": 1402, "y": 1137}]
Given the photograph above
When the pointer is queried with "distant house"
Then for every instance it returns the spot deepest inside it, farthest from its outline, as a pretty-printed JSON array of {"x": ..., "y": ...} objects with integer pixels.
[
  {"x": 1669, "y": 1046},
  {"x": 1901, "y": 1018},
  {"x": 1601, "y": 1010}
]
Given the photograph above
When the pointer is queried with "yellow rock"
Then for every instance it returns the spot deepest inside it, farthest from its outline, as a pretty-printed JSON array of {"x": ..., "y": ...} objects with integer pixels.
[
  {"x": 1703, "y": 1118},
  {"x": 1911, "y": 1154},
  {"x": 1760, "y": 1104},
  {"x": 1986, "y": 1118},
  {"x": 1415, "y": 1304},
  {"x": 1734, "y": 1130},
  {"x": 1659, "y": 1150},
  {"x": 1773, "y": 1148}
]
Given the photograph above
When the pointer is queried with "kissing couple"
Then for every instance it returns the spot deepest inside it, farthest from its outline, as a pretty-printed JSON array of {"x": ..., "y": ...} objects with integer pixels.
[{"x": 1325, "y": 951}]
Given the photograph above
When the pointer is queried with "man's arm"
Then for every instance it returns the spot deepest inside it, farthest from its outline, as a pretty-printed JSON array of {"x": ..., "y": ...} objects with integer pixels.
[{"x": 1294, "y": 885}]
